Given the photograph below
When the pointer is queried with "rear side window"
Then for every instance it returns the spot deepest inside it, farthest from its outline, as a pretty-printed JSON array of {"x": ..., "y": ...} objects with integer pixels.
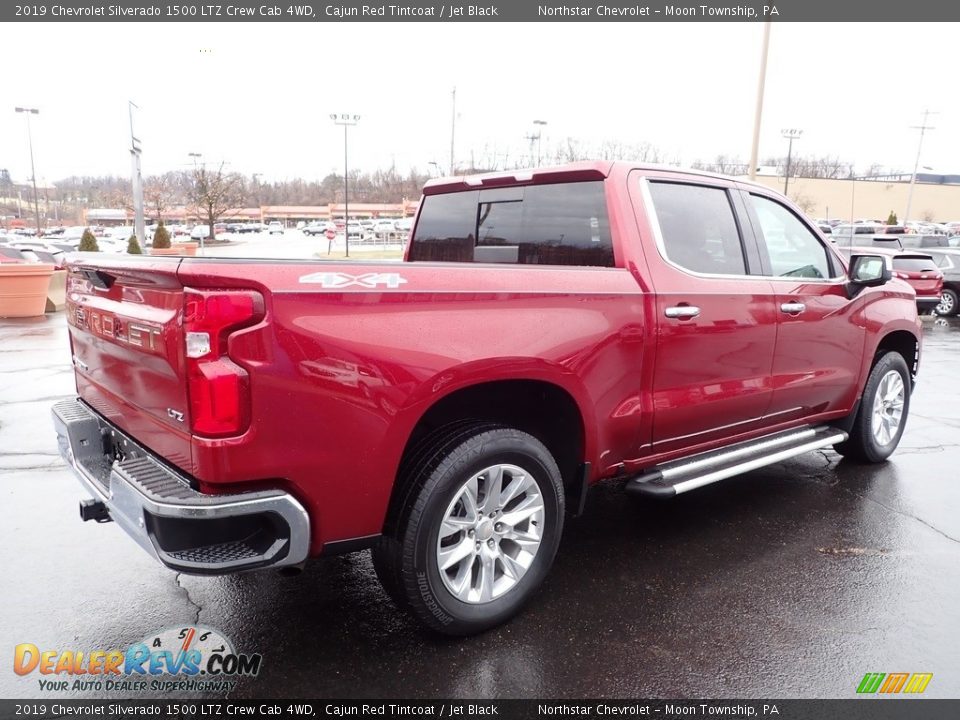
[
  {"x": 563, "y": 224},
  {"x": 914, "y": 264},
  {"x": 698, "y": 228}
]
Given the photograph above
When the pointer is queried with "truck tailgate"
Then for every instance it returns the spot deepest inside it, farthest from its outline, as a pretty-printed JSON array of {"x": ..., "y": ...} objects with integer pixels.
[{"x": 125, "y": 317}]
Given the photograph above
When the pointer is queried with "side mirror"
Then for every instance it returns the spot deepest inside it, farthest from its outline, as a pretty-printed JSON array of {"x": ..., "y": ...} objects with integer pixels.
[{"x": 867, "y": 271}]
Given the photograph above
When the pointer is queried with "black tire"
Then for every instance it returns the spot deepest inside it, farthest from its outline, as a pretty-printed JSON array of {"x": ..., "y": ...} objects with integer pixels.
[
  {"x": 862, "y": 445},
  {"x": 406, "y": 557},
  {"x": 386, "y": 553},
  {"x": 948, "y": 296}
]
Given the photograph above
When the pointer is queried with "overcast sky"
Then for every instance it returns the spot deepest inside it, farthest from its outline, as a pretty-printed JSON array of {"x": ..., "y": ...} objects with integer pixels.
[{"x": 260, "y": 96}]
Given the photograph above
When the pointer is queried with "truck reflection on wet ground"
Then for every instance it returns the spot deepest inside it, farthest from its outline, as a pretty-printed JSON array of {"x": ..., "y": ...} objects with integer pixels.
[{"x": 791, "y": 581}]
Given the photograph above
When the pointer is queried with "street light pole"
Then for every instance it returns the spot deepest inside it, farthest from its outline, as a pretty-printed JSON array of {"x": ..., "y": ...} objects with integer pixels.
[
  {"x": 453, "y": 126},
  {"x": 791, "y": 134},
  {"x": 139, "y": 228},
  {"x": 346, "y": 121},
  {"x": 196, "y": 155},
  {"x": 758, "y": 111},
  {"x": 33, "y": 172},
  {"x": 541, "y": 124},
  {"x": 913, "y": 178}
]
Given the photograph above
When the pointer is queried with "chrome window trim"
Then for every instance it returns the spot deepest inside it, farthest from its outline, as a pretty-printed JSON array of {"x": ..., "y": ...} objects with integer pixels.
[{"x": 662, "y": 250}]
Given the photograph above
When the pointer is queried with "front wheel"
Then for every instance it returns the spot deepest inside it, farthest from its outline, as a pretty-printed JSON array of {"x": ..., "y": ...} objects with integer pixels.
[
  {"x": 949, "y": 305},
  {"x": 482, "y": 525},
  {"x": 883, "y": 411}
]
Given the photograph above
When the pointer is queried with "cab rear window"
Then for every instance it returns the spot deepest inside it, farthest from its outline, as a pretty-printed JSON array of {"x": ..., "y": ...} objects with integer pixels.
[{"x": 560, "y": 224}]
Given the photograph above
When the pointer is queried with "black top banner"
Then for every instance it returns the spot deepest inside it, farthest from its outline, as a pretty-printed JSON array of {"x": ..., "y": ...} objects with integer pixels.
[{"x": 482, "y": 11}]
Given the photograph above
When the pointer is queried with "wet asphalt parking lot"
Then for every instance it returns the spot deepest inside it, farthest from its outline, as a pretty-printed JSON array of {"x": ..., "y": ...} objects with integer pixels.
[{"x": 792, "y": 581}]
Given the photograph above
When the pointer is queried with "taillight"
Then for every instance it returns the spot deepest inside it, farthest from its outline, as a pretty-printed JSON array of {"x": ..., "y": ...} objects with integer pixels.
[
  {"x": 901, "y": 275},
  {"x": 219, "y": 389}
]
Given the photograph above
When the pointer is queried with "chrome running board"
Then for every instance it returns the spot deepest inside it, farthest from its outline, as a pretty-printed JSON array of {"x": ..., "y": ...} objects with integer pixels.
[{"x": 690, "y": 473}]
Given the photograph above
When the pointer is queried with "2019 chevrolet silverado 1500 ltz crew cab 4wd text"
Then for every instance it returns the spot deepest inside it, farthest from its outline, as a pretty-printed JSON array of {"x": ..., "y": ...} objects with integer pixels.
[{"x": 547, "y": 330}]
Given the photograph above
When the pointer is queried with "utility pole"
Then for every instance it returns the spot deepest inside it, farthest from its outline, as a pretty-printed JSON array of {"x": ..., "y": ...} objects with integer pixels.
[
  {"x": 202, "y": 173},
  {"x": 139, "y": 228},
  {"x": 913, "y": 178},
  {"x": 791, "y": 134},
  {"x": 453, "y": 127},
  {"x": 540, "y": 125},
  {"x": 33, "y": 172},
  {"x": 347, "y": 121},
  {"x": 758, "y": 112}
]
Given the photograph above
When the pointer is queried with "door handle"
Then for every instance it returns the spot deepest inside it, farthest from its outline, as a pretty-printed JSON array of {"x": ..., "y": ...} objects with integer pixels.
[
  {"x": 794, "y": 308},
  {"x": 684, "y": 312}
]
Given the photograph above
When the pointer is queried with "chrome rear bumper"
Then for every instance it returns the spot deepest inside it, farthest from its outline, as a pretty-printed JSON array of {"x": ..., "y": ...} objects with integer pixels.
[{"x": 186, "y": 530}]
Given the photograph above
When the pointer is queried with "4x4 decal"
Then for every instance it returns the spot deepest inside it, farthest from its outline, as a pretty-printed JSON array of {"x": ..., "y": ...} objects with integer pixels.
[{"x": 342, "y": 280}]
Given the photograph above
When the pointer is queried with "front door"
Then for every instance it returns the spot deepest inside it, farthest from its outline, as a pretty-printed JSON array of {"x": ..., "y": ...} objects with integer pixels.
[{"x": 821, "y": 332}]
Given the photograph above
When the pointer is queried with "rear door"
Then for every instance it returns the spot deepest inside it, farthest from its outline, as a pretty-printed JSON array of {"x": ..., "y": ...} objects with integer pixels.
[
  {"x": 125, "y": 320},
  {"x": 821, "y": 334},
  {"x": 716, "y": 322}
]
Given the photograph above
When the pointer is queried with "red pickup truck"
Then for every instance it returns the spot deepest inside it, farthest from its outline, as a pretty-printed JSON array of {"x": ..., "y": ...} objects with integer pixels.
[{"x": 547, "y": 330}]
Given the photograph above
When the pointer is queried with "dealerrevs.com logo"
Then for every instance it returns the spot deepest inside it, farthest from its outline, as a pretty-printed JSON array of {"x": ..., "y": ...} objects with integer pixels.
[
  {"x": 182, "y": 659},
  {"x": 894, "y": 683}
]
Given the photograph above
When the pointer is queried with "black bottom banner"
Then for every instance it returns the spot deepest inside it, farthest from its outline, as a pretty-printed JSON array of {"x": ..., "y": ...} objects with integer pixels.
[{"x": 875, "y": 708}]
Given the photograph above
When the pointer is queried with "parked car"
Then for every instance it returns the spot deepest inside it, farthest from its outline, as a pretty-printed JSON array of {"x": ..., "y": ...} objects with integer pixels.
[
  {"x": 36, "y": 245},
  {"x": 356, "y": 232},
  {"x": 112, "y": 245},
  {"x": 384, "y": 228},
  {"x": 666, "y": 330},
  {"x": 847, "y": 234},
  {"x": 918, "y": 269},
  {"x": 11, "y": 253},
  {"x": 200, "y": 232},
  {"x": 275, "y": 227},
  {"x": 947, "y": 261},
  {"x": 319, "y": 228}
]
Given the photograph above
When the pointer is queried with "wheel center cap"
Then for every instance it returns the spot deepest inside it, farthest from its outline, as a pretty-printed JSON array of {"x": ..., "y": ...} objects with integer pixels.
[{"x": 485, "y": 529}]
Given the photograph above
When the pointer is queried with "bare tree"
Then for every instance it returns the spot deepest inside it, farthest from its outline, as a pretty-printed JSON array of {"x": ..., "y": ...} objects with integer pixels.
[
  {"x": 804, "y": 202},
  {"x": 214, "y": 193},
  {"x": 723, "y": 165},
  {"x": 158, "y": 193}
]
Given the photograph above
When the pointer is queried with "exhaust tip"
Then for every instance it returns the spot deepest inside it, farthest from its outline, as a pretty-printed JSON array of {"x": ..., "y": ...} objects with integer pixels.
[{"x": 291, "y": 570}]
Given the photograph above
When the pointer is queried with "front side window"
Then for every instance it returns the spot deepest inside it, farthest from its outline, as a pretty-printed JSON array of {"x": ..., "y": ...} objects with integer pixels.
[
  {"x": 794, "y": 250},
  {"x": 561, "y": 224},
  {"x": 698, "y": 228}
]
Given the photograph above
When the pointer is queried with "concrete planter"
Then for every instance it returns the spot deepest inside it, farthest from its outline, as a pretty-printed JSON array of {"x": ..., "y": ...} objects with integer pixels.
[
  {"x": 23, "y": 289},
  {"x": 177, "y": 248},
  {"x": 57, "y": 291}
]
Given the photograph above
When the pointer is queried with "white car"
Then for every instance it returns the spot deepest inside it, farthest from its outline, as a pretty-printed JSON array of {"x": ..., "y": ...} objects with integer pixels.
[
  {"x": 112, "y": 245},
  {"x": 200, "y": 232},
  {"x": 275, "y": 227},
  {"x": 355, "y": 231},
  {"x": 384, "y": 228}
]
